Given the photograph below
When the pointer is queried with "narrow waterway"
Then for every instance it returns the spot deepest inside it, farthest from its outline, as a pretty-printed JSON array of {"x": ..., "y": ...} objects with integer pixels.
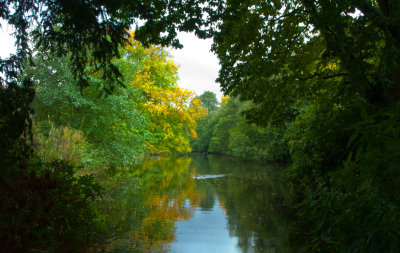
[{"x": 196, "y": 204}]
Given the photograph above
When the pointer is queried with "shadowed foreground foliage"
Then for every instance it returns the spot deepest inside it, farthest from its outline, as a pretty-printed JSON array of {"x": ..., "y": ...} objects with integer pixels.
[{"x": 325, "y": 72}]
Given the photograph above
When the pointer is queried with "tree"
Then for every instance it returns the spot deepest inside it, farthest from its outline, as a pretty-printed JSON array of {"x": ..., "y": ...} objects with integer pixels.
[
  {"x": 150, "y": 114},
  {"x": 89, "y": 33},
  {"x": 227, "y": 117},
  {"x": 273, "y": 52},
  {"x": 114, "y": 126},
  {"x": 209, "y": 100},
  {"x": 172, "y": 111},
  {"x": 204, "y": 131},
  {"x": 226, "y": 131},
  {"x": 328, "y": 69},
  {"x": 297, "y": 60}
]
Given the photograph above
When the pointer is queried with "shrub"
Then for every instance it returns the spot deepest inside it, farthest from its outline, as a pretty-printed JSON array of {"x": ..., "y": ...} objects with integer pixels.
[
  {"x": 46, "y": 208},
  {"x": 58, "y": 143}
]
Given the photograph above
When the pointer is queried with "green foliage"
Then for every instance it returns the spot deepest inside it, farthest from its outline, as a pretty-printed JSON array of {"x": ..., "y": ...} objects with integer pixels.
[
  {"x": 204, "y": 131},
  {"x": 150, "y": 114},
  {"x": 113, "y": 126},
  {"x": 302, "y": 63},
  {"x": 63, "y": 143},
  {"x": 344, "y": 172},
  {"x": 90, "y": 34},
  {"x": 15, "y": 123},
  {"x": 329, "y": 72},
  {"x": 227, "y": 118},
  {"x": 261, "y": 143},
  {"x": 209, "y": 100},
  {"x": 226, "y": 131},
  {"x": 318, "y": 140},
  {"x": 47, "y": 208},
  {"x": 271, "y": 52}
]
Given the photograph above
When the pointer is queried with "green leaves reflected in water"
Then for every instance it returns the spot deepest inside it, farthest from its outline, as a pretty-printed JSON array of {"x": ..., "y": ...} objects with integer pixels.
[
  {"x": 142, "y": 204},
  {"x": 254, "y": 198}
]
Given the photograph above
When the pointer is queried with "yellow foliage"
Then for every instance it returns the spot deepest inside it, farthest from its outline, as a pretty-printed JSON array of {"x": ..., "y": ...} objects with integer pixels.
[
  {"x": 172, "y": 111},
  {"x": 167, "y": 208},
  {"x": 224, "y": 100}
]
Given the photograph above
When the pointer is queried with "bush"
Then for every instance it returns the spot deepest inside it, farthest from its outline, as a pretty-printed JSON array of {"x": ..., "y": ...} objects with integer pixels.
[
  {"x": 350, "y": 194},
  {"x": 58, "y": 143},
  {"x": 46, "y": 208}
]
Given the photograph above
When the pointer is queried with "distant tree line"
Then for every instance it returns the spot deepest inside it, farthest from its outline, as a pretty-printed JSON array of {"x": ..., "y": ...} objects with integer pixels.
[{"x": 225, "y": 130}]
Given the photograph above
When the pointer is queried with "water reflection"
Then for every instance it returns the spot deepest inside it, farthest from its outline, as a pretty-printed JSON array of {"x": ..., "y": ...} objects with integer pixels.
[
  {"x": 195, "y": 204},
  {"x": 206, "y": 231}
]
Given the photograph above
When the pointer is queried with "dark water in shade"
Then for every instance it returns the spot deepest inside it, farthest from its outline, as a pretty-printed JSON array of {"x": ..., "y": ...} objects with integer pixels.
[{"x": 196, "y": 204}]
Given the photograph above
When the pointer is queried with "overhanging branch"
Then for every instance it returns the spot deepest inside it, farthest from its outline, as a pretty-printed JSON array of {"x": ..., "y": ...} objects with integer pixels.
[{"x": 321, "y": 76}]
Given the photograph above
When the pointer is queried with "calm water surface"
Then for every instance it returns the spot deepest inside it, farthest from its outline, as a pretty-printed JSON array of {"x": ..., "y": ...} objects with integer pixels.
[{"x": 196, "y": 204}]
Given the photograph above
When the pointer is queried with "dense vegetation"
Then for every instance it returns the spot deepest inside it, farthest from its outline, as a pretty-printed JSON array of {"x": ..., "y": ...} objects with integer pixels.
[
  {"x": 226, "y": 131},
  {"x": 322, "y": 77},
  {"x": 328, "y": 69},
  {"x": 80, "y": 129},
  {"x": 150, "y": 114}
]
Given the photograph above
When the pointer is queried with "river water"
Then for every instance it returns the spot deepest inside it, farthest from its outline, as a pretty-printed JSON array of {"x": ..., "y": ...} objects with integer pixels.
[{"x": 195, "y": 204}]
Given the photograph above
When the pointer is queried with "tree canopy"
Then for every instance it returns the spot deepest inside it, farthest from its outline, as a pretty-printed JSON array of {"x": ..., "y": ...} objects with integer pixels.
[
  {"x": 327, "y": 70},
  {"x": 226, "y": 131},
  {"x": 95, "y": 28},
  {"x": 209, "y": 100},
  {"x": 278, "y": 51}
]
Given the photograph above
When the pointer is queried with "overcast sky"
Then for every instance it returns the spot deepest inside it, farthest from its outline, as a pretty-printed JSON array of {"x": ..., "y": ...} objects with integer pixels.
[
  {"x": 6, "y": 42},
  {"x": 198, "y": 67}
]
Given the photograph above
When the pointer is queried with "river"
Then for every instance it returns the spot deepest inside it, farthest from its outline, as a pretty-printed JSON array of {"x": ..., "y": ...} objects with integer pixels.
[{"x": 195, "y": 204}]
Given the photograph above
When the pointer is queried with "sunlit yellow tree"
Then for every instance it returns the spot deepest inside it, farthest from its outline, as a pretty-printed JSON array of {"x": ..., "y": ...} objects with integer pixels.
[{"x": 171, "y": 110}]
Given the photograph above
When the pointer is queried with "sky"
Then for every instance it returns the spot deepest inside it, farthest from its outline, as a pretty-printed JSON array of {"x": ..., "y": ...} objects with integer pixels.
[
  {"x": 6, "y": 41},
  {"x": 197, "y": 66}
]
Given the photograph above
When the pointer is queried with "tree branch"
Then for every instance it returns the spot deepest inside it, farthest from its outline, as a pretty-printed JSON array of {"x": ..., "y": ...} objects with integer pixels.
[
  {"x": 295, "y": 11},
  {"x": 316, "y": 74},
  {"x": 367, "y": 9}
]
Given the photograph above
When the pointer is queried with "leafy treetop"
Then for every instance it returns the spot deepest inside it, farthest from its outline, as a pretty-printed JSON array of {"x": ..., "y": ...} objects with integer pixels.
[
  {"x": 275, "y": 52},
  {"x": 96, "y": 28},
  {"x": 209, "y": 100}
]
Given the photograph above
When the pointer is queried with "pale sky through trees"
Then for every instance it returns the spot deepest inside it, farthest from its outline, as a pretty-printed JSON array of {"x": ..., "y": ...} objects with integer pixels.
[
  {"x": 6, "y": 41},
  {"x": 198, "y": 67}
]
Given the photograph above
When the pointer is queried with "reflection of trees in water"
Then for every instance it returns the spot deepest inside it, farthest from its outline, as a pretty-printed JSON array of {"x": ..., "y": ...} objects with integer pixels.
[
  {"x": 254, "y": 212},
  {"x": 253, "y": 196},
  {"x": 208, "y": 200},
  {"x": 142, "y": 204}
]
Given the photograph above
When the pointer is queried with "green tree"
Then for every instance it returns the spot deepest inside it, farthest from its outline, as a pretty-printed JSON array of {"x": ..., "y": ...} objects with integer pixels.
[
  {"x": 226, "y": 131},
  {"x": 209, "y": 100},
  {"x": 227, "y": 119},
  {"x": 328, "y": 69},
  {"x": 273, "y": 52},
  {"x": 204, "y": 131},
  {"x": 114, "y": 126},
  {"x": 90, "y": 34}
]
